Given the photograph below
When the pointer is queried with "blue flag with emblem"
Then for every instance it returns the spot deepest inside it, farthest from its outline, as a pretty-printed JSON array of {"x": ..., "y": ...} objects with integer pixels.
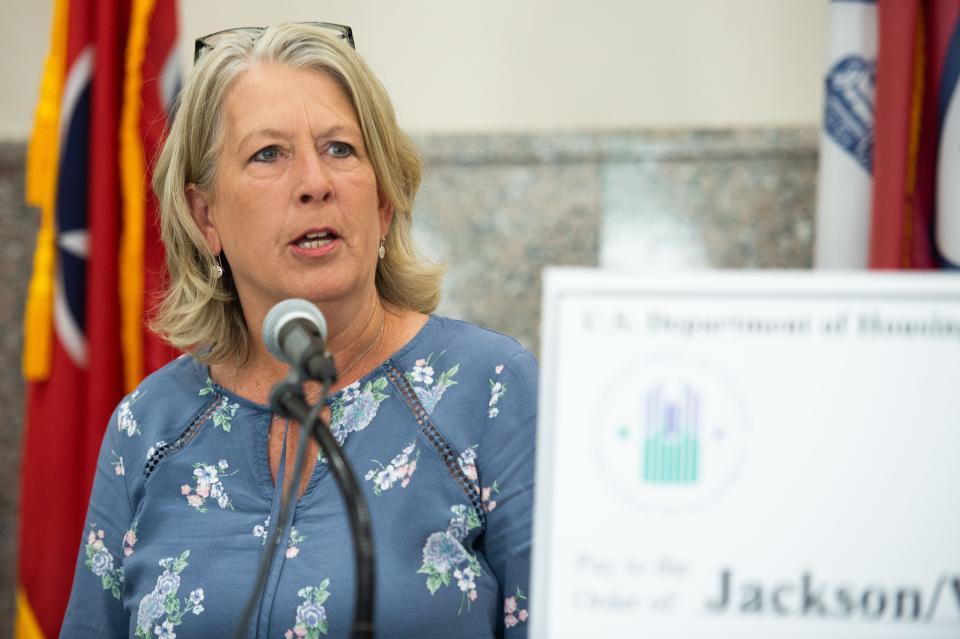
[{"x": 846, "y": 141}]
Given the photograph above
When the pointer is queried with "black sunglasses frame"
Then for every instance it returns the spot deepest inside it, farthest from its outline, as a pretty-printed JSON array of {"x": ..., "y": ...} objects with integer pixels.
[{"x": 200, "y": 44}]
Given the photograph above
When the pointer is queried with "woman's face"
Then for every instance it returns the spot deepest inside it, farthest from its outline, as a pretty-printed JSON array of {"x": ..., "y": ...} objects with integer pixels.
[{"x": 295, "y": 206}]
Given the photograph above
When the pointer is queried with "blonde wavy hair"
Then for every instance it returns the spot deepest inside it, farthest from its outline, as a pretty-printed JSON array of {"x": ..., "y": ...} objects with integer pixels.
[{"x": 201, "y": 313}]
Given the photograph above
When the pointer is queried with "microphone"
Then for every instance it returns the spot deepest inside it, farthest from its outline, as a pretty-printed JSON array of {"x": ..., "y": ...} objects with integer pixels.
[{"x": 294, "y": 331}]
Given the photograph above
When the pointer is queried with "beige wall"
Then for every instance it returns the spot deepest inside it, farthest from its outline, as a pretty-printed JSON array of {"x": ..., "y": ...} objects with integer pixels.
[{"x": 519, "y": 65}]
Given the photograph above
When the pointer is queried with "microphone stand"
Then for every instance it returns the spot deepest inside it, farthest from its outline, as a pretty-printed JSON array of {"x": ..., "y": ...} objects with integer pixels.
[{"x": 287, "y": 399}]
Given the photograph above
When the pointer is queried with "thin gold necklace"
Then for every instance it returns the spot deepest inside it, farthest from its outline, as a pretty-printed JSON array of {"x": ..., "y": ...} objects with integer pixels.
[
  {"x": 340, "y": 374},
  {"x": 356, "y": 360}
]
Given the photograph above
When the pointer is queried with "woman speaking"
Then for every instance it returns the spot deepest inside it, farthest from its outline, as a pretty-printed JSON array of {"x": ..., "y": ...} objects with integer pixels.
[{"x": 285, "y": 175}]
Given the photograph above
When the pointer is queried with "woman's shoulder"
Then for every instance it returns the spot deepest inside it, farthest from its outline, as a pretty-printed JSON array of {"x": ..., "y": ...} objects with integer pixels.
[
  {"x": 454, "y": 339},
  {"x": 460, "y": 372},
  {"x": 165, "y": 397},
  {"x": 179, "y": 377},
  {"x": 450, "y": 352}
]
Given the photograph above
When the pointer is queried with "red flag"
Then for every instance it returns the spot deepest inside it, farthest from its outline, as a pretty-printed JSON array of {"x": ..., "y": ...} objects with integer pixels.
[
  {"x": 160, "y": 86},
  {"x": 74, "y": 360},
  {"x": 913, "y": 53}
]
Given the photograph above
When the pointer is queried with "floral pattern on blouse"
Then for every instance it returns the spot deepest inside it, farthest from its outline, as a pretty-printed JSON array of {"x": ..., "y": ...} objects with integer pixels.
[
  {"x": 400, "y": 469},
  {"x": 100, "y": 562},
  {"x": 117, "y": 464},
  {"x": 353, "y": 408},
  {"x": 153, "y": 449},
  {"x": 130, "y": 540},
  {"x": 473, "y": 548},
  {"x": 126, "y": 422},
  {"x": 207, "y": 485},
  {"x": 444, "y": 555},
  {"x": 513, "y": 612},
  {"x": 311, "y": 619},
  {"x": 293, "y": 541},
  {"x": 161, "y": 610},
  {"x": 223, "y": 416},
  {"x": 430, "y": 390},
  {"x": 467, "y": 461},
  {"x": 497, "y": 390},
  {"x": 486, "y": 497},
  {"x": 468, "y": 464}
]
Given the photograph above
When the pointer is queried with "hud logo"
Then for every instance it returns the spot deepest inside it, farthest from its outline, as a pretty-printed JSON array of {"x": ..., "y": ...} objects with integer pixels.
[
  {"x": 671, "y": 441},
  {"x": 849, "y": 107},
  {"x": 673, "y": 434}
]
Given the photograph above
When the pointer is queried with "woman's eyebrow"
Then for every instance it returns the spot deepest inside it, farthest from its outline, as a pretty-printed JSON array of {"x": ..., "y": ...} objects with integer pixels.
[
  {"x": 266, "y": 133},
  {"x": 337, "y": 129}
]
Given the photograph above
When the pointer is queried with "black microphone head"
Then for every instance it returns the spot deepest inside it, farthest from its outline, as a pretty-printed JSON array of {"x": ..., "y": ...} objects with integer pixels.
[{"x": 284, "y": 312}]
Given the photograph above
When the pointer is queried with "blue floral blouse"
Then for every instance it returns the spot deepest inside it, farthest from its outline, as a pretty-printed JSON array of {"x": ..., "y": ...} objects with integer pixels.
[{"x": 441, "y": 436}]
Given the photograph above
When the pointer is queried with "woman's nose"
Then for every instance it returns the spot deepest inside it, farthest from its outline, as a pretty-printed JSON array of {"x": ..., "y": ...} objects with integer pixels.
[{"x": 315, "y": 184}]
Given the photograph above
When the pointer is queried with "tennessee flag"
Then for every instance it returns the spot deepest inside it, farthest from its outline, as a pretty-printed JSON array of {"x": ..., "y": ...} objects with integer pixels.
[
  {"x": 894, "y": 110},
  {"x": 110, "y": 80}
]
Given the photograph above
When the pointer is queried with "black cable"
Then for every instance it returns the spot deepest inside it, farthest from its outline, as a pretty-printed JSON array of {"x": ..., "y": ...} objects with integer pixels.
[
  {"x": 270, "y": 551},
  {"x": 287, "y": 400},
  {"x": 360, "y": 526},
  {"x": 360, "y": 523}
]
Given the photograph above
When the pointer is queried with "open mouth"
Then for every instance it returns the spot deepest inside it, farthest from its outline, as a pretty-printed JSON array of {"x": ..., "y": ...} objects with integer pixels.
[{"x": 316, "y": 240}]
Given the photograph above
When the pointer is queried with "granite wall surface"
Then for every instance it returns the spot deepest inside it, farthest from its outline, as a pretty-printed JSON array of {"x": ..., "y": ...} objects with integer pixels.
[
  {"x": 498, "y": 208},
  {"x": 18, "y": 229}
]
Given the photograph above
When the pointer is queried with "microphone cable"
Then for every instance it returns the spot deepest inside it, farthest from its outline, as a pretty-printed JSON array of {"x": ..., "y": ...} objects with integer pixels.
[
  {"x": 287, "y": 400},
  {"x": 270, "y": 551}
]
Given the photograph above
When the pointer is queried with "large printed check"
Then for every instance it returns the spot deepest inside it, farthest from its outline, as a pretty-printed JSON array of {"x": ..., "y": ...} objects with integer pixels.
[{"x": 748, "y": 455}]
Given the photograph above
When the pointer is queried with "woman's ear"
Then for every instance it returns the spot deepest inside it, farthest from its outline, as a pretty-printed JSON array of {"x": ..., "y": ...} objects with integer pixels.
[
  {"x": 386, "y": 214},
  {"x": 199, "y": 204}
]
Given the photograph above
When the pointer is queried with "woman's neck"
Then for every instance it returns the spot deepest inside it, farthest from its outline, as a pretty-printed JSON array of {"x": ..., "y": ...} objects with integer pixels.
[
  {"x": 356, "y": 345},
  {"x": 351, "y": 328}
]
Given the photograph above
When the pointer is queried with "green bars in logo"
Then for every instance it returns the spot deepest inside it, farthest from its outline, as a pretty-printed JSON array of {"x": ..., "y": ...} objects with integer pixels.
[
  {"x": 671, "y": 446},
  {"x": 671, "y": 460}
]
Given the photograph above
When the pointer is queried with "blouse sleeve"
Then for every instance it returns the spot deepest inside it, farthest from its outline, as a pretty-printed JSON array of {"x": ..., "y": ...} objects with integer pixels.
[
  {"x": 96, "y": 607},
  {"x": 505, "y": 471}
]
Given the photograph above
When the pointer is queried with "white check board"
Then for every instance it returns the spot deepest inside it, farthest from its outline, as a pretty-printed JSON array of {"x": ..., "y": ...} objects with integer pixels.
[{"x": 748, "y": 455}]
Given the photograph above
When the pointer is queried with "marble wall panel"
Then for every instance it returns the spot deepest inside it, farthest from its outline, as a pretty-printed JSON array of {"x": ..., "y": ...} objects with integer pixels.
[
  {"x": 18, "y": 228},
  {"x": 496, "y": 226},
  {"x": 717, "y": 200}
]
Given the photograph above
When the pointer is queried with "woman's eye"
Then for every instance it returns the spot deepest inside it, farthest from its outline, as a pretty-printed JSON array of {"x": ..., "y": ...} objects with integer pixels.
[
  {"x": 266, "y": 154},
  {"x": 340, "y": 149}
]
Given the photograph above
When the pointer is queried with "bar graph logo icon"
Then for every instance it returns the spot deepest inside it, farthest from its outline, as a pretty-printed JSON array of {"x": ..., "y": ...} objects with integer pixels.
[
  {"x": 671, "y": 442},
  {"x": 673, "y": 433}
]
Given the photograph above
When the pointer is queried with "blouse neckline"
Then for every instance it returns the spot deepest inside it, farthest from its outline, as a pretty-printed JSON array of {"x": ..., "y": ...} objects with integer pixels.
[{"x": 431, "y": 325}]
